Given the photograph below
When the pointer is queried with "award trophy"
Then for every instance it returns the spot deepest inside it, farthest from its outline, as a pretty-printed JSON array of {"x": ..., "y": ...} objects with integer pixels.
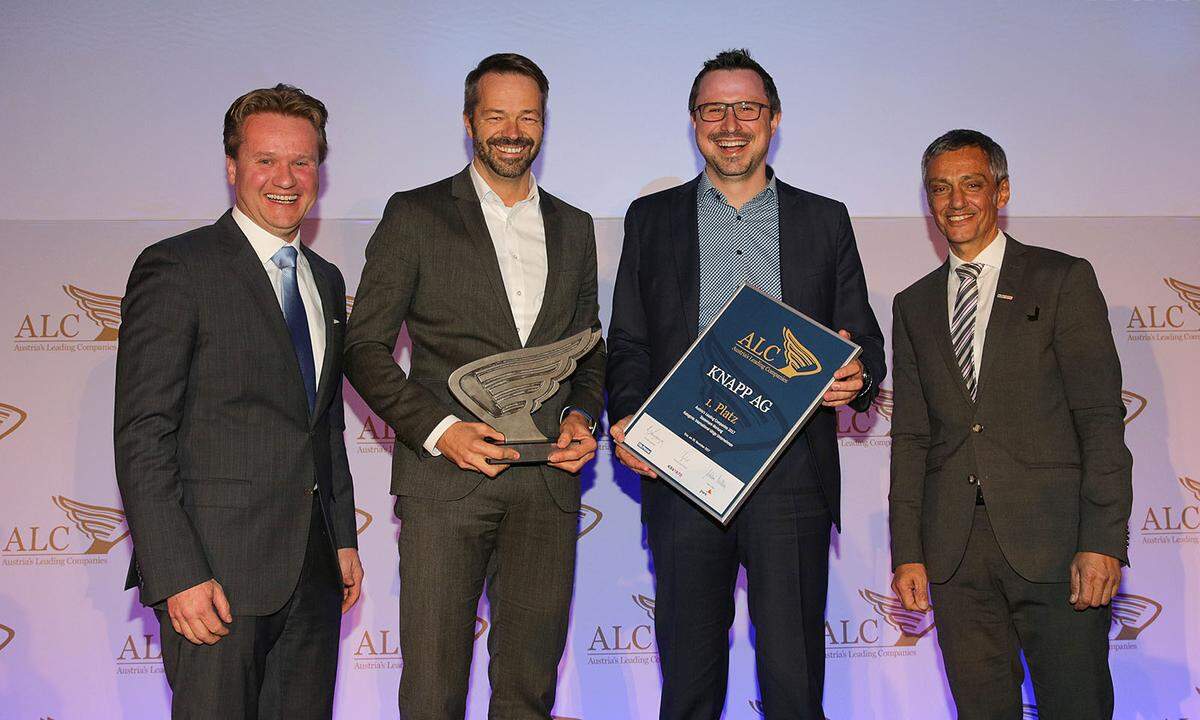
[{"x": 505, "y": 389}]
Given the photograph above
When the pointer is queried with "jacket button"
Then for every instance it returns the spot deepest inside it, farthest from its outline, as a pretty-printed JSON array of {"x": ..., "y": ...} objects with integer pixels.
[
  {"x": 308, "y": 491},
  {"x": 971, "y": 480},
  {"x": 976, "y": 428}
]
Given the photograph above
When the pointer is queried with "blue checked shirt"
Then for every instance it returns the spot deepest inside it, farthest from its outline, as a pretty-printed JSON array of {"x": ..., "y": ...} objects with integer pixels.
[{"x": 736, "y": 246}]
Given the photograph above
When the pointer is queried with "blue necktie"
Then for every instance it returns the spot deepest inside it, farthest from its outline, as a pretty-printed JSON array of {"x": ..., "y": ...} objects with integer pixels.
[{"x": 297, "y": 321}]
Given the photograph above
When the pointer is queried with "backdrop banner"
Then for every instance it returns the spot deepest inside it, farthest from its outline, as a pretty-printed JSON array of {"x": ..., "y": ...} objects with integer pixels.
[{"x": 73, "y": 644}]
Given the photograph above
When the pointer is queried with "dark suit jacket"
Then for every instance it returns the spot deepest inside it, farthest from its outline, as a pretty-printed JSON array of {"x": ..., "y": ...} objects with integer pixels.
[
  {"x": 216, "y": 452},
  {"x": 656, "y": 308},
  {"x": 431, "y": 266},
  {"x": 1045, "y": 439}
]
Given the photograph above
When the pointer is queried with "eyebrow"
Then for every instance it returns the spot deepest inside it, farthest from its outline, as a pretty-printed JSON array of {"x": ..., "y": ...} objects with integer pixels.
[
  {"x": 500, "y": 111},
  {"x": 966, "y": 176}
]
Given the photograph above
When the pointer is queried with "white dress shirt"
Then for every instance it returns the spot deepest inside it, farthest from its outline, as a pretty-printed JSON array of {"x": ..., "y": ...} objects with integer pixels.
[
  {"x": 519, "y": 238},
  {"x": 265, "y": 246},
  {"x": 992, "y": 258}
]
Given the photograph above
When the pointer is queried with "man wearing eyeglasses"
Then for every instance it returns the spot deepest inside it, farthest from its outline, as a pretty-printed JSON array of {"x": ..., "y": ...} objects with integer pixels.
[{"x": 686, "y": 251}]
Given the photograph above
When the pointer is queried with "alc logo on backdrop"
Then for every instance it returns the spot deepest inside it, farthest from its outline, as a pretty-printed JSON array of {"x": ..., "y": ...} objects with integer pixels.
[
  {"x": 11, "y": 418},
  {"x": 1176, "y": 320},
  {"x": 380, "y": 649},
  {"x": 87, "y": 536},
  {"x": 1174, "y": 524},
  {"x": 140, "y": 655},
  {"x": 627, "y": 643},
  {"x": 870, "y": 428},
  {"x": 866, "y": 637},
  {"x": 90, "y": 325}
]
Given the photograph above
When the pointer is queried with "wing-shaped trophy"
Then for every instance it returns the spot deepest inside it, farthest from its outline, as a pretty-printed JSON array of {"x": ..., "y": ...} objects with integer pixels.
[{"x": 505, "y": 389}]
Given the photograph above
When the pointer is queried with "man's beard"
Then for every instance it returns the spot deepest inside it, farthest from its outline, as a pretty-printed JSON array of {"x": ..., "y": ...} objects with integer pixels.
[
  {"x": 733, "y": 167},
  {"x": 516, "y": 167}
]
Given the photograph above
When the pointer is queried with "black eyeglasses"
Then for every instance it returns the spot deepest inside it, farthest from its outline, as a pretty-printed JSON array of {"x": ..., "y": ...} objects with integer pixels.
[{"x": 744, "y": 110}]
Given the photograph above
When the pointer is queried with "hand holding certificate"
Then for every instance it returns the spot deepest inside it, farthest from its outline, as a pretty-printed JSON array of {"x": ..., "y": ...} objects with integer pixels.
[{"x": 735, "y": 399}]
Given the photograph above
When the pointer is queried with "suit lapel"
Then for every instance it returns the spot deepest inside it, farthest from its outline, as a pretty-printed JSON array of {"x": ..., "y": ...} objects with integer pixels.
[
  {"x": 1003, "y": 319},
  {"x": 555, "y": 261},
  {"x": 791, "y": 253},
  {"x": 329, "y": 314},
  {"x": 685, "y": 237},
  {"x": 249, "y": 270},
  {"x": 484, "y": 250}
]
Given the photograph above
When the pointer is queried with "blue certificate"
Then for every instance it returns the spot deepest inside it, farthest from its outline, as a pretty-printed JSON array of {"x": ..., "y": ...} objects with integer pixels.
[{"x": 735, "y": 399}]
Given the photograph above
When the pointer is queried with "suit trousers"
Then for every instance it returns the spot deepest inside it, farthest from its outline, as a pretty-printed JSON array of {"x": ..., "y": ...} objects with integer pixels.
[
  {"x": 781, "y": 536},
  {"x": 269, "y": 667},
  {"x": 510, "y": 531},
  {"x": 987, "y": 614}
]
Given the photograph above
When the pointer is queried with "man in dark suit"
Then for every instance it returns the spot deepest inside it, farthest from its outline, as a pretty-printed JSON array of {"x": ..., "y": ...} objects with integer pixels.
[
  {"x": 228, "y": 434},
  {"x": 686, "y": 252},
  {"x": 480, "y": 263},
  {"x": 1011, "y": 483}
]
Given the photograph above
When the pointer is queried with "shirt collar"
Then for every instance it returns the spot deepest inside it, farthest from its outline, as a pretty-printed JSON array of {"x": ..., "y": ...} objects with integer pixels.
[
  {"x": 992, "y": 255},
  {"x": 264, "y": 243},
  {"x": 487, "y": 194},
  {"x": 707, "y": 189}
]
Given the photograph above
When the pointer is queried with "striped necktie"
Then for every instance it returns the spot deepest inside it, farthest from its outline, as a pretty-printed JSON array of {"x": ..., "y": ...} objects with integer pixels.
[
  {"x": 962, "y": 325},
  {"x": 297, "y": 321}
]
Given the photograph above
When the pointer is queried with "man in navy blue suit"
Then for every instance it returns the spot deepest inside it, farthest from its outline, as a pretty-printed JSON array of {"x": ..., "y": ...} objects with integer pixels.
[{"x": 686, "y": 251}]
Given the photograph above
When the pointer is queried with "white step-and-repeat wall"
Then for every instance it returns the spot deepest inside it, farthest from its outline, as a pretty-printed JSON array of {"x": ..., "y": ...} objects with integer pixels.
[
  {"x": 73, "y": 645},
  {"x": 111, "y": 124}
]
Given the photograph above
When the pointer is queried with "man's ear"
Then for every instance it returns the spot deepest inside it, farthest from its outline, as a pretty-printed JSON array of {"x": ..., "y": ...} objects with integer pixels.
[{"x": 230, "y": 169}]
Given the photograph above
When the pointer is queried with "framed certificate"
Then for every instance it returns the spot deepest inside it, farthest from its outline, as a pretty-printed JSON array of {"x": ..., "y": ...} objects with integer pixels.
[{"x": 736, "y": 398}]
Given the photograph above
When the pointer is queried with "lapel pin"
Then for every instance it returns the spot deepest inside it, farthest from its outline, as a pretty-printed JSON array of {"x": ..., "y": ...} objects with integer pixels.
[{"x": 1002, "y": 296}]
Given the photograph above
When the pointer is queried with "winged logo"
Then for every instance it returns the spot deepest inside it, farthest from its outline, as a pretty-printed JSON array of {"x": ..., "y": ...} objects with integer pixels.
[
  {"x": 1192, "y": 486},
  {"x": 481, "y": 627},
  {"x": 1029, "y": 712},
  {"x": 104, "y": 525},
  {"x": 11, "y": 418},
  {"x": 800, "y": 360},
  {"x": 1131, "y": 614},
  {"x": 349, "y": 304},
  {"x": 1187, "y": 292},
  {"x": 589, "y": 518},
  {"x": 104, "y": 310},
  {"x": 1134, "y": 405},
  {"x": 505, "y": 389},
  {"x": 885, "y": 401},
  {"x": 364, "y": 520},
  {"x": 913, "y": 625},
  {"x": 645, "y": 603},
  {"x": 6, "y": 636}
]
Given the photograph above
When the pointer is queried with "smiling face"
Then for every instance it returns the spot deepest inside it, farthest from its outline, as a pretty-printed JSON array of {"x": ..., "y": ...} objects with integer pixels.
[
  {"x": 274, "y": 175},
  {"x": 965, "y": 199},
  {"x": 733, "y": 149},
  {"x": 506, "y": 126}
]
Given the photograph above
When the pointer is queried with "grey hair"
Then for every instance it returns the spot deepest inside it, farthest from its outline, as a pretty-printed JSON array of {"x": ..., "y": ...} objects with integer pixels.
[{"x": 959, "y": 139}]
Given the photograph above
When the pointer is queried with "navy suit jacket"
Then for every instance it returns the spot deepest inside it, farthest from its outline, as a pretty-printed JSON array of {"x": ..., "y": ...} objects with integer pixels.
[{"x": 655, "y": 310}]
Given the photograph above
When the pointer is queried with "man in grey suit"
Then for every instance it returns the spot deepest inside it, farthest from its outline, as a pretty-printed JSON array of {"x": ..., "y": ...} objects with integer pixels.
[
  {"x": 482, "y": 262},
  {"x": 1011, "y": 482},
  {"x": 228, "y": 434}
]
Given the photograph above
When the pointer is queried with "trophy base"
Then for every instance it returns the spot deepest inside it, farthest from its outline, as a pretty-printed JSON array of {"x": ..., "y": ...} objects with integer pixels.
[{"x": 532, "y": 453}]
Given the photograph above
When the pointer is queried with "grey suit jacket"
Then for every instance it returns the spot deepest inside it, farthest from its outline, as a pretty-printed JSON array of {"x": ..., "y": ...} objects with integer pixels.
[
  {"x": 1045, "y": 439},
  {"x": 216, "y": 451},
  {"x": 432, "y": 267}
]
